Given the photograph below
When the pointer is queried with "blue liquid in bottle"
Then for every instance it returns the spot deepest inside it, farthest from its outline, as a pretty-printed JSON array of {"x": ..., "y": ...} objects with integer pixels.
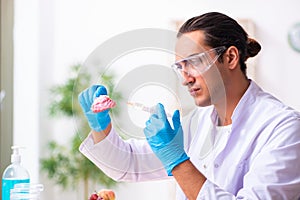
[{"x": 8, "y": 184}]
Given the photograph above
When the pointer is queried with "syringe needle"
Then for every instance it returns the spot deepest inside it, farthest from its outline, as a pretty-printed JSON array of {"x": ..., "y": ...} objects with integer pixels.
[{"x": 142, "y": 107}]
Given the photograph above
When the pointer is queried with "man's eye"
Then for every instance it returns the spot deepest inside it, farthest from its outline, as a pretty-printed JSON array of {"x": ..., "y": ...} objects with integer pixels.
[
  {"x": 178, "y": 65},
  {"x": 196, "y": 61}
]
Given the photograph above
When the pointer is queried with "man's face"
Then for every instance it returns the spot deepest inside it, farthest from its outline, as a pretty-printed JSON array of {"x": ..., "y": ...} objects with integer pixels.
[{"x": 206, "y": 88}]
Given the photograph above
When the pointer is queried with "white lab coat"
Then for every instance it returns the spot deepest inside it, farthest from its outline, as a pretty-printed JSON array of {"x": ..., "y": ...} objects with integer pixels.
[{"x": 258, "y": 159}]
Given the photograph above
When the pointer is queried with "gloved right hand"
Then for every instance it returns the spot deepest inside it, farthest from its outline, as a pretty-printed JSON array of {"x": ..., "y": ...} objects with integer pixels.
[
  {"x": 165, "y": 141},
  {"x": 97, "y": 121}
]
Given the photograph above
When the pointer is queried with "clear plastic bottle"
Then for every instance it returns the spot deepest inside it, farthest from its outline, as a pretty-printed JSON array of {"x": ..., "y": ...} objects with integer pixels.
[{"x": 13, "y": 174}]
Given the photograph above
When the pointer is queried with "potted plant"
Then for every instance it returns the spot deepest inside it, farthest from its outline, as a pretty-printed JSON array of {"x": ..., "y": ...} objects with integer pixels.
[{"x": 65, "y": 164}]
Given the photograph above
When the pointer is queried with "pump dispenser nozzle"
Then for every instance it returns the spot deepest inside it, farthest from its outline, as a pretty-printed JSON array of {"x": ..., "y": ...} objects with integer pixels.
[{"x": 15, "y": 156}]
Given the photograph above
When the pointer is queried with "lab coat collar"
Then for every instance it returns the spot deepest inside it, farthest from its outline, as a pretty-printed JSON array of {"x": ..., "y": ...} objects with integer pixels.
[{"x": 244, "y": 107}]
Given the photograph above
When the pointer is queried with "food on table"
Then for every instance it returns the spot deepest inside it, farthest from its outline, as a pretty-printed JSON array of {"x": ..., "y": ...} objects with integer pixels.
[{"x": 103, "y": 194}]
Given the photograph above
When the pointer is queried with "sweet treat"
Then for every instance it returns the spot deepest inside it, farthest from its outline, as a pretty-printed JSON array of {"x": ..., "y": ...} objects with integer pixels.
[
  {"x": 101, "y": 103},
  {"x": 103, "y": 194},
  {"x": 107, "y": 194},
  {"x": 94, "y": 196}
]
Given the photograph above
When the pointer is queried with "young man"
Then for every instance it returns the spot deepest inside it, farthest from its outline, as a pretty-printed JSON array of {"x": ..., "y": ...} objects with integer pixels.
[{"x": 246, "y": 144}]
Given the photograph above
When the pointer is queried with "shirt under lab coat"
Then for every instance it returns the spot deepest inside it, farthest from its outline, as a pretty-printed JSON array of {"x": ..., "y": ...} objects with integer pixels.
[{"x": 259, "y": 158}]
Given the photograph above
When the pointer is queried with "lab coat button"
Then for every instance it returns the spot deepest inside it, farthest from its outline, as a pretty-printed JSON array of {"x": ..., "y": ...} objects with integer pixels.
[
  {"x": 204, "y": 166},
  {"x": 216, "y": 165}
]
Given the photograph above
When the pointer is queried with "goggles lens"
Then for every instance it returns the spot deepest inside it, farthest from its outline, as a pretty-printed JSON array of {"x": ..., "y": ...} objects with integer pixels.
[{"x": 197, "y": 64}]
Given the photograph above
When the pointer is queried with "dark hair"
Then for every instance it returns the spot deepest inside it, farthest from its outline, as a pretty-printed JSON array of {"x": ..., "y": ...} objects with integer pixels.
[{"x": 221, "y": 30}]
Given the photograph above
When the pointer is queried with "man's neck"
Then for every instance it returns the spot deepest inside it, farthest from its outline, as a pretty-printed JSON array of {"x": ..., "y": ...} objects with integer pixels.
[{"x": 231, "y": 99}]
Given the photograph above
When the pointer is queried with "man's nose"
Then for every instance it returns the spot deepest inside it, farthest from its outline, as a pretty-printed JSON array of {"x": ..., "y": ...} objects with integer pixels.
[{"x": 187, "y": 78}]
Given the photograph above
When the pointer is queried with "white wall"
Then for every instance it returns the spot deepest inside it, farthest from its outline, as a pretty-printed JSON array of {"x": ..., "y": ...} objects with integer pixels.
[{"x": 51, "y": 35}]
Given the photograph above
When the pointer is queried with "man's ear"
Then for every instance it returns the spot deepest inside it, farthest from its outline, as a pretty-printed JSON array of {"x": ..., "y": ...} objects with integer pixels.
[{"x": 232, "y": 57}]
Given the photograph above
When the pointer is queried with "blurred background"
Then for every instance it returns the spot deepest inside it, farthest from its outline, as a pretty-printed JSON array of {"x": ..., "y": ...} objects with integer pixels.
[{"x": 41, "y": 39}]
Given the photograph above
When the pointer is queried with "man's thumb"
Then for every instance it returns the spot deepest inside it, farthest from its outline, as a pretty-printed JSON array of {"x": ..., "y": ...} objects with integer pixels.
[{"x": 176, "y": 119}]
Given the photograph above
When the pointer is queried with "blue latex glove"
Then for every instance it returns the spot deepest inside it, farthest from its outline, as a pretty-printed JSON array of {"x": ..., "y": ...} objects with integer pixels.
[
  {"x": 166, "y": 142},
  {"x": 97, "y": 121}
]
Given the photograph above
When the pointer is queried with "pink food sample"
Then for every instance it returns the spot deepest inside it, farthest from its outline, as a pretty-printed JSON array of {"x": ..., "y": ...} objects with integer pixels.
[{"x": 102, "y": 103}]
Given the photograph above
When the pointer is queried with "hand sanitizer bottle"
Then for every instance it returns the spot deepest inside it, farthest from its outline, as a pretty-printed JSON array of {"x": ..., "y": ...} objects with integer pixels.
[{"x": 13, "y": 174}]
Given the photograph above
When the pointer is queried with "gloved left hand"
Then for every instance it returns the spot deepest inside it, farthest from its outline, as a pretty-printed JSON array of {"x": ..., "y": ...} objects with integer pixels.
[
  {"x": 166, "y": 142},
  {"x": 97, "y": 121}
]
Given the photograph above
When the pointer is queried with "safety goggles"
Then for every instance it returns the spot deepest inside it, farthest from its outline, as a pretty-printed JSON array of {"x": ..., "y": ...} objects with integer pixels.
[{"x": 197, "y": 64}]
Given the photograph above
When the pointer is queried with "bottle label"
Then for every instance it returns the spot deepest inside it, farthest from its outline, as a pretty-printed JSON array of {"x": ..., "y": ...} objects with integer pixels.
[{"x": 8, "y": 184}]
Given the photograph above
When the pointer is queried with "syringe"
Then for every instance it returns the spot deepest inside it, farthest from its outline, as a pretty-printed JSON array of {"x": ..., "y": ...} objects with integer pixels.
[{"x": 139, "y": 106}]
